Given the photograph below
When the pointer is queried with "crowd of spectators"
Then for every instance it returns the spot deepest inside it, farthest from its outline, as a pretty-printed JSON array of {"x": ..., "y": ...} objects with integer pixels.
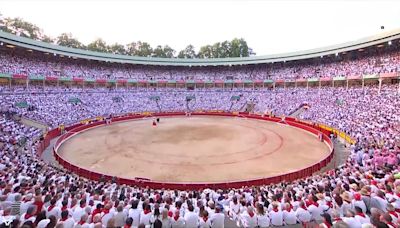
[
  {"x": 345, "y": 64},
  {"x": 362, "y": 193}
]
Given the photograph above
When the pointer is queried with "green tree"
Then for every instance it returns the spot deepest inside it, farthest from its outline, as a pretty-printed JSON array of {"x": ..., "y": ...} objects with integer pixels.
[
  {"x": 66, "y": 39},
  {"x": 239, "y": 48},
  {"x": 98, "y": 45},
  {"x": 47, "y": 39},
  {"x": 158, "y": 52},
  {"x": 187, "y": 53},
  {"x": 169, "y": 52},
  {"x": 225, "y": 49},
  {"x": 19, "y": 27},
  {"x": 131, "y": 48},
  {"x": 118, "y": 49},
  {"x": 206, "y": 52},
  {"x": 143, "y": 49}
]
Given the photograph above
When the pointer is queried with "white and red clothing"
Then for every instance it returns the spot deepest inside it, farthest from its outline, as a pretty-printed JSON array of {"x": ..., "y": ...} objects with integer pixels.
[
  {"x": 276, "y": 217},
  {"x": 248, "y": 220},
  {"x": 263, "y": 220},
  {"x": 303, "y": 215},
  {"x": 362, "y": 218},
  {"x": 53, "y": 210},
  {"x": 289, "y": 217}
]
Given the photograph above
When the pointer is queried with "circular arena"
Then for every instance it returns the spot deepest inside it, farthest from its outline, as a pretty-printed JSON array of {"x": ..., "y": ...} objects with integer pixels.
[{"x": 196, "y": 149}]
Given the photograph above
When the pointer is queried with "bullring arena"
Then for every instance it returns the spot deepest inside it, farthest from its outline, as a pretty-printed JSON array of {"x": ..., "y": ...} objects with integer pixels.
[{"x": 196, "y": 149}]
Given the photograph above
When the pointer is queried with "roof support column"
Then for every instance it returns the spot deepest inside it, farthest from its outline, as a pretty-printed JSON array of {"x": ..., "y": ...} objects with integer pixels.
[
  {"x": 380, "y": 86},
  {"x": 398, "y": 89},
  {"x": 347, "y": 84},
  {"x": 363, "y": 83}
]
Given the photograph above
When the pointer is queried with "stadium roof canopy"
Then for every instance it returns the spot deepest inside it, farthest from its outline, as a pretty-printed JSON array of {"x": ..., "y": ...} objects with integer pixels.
[{"x": 307, "y": 54}]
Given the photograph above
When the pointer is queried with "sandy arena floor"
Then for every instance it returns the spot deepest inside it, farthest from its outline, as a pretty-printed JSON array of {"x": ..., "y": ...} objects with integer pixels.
[{"x": 194, "y": 149}]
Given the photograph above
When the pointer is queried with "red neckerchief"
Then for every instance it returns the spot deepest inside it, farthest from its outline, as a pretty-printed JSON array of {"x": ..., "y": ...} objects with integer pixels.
[
  {"x": 251, "y": 214},
  {"x": 329, "y": 204},
  {"x": 50, "y": 207},
  {"x": 391, "y": 224},
  {"x": 126, "y": 226},
  {"x": 170, "y": 214},
  {"x": 39, "y": 206},
  {"x": 275, "y": 209},
  {"x": 304, "y": 207},
  {"x": 63, "y": 219},
  {"x": 205, "y": 218},
  {"x": 398, "y": 194},
  {"x": 64, "y": 208},
  {"x": 146, "y": 212},
  {"x": 95, "y": 212},
  {"x": 27, "y": 216},
  {"x": 81, "y": 222},
  {"x": 84, "y": 205},
  {"x": 337, "y": 219},
  {"x": 288, "y": 209},
  {"x": 176, "y": 217},
  {"x": 394, "y": 214},
  {"x": 327, "y": 224},
  {"x": 361, "y": 214}
]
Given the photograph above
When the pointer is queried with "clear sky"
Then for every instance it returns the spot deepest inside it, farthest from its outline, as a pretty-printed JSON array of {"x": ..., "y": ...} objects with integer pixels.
[{"x": 269, "y": 27}]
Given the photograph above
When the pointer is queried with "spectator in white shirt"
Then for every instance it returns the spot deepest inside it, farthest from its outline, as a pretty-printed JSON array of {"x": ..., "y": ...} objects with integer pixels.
[
  {"x": 262, "y": 217},
  {"x": 191, "y": 218},
  {"x": 218, "y": 218}
]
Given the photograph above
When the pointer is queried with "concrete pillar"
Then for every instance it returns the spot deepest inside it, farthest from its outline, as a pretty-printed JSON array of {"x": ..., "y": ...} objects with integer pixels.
[
  {"x": 27, "y": 84},
  {"x": 363, "y": 83},
  {"x": 319, "y": 82},
  {"x": 333, "y": 83},
  {"x": 398, "y": 89},
  {"x": 347, "y": 84},
  {"x": 380, "y": 86},
  {"x": 307, "y": 84}
]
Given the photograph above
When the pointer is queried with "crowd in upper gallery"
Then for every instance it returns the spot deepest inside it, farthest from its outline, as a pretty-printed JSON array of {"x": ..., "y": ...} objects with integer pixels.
[{"x": 366, "y": 62}]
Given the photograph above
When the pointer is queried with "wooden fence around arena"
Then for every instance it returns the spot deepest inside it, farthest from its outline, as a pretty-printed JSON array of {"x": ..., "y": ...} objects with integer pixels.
[{"x": 313, "y": 128}]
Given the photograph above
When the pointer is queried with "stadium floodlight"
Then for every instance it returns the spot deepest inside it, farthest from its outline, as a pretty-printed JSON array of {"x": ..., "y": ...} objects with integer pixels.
[
  {"x": 390, "y": 42},
  {"x": 1, "y": 43},
  {"x": 322, "y": 56},
  {"x": 337, "y": 54},
  {"x": 54, "y": 54}
]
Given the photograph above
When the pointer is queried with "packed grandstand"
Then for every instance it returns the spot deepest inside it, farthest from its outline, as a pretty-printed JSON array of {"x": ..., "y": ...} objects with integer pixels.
[{"x": 356, "y": 93}]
